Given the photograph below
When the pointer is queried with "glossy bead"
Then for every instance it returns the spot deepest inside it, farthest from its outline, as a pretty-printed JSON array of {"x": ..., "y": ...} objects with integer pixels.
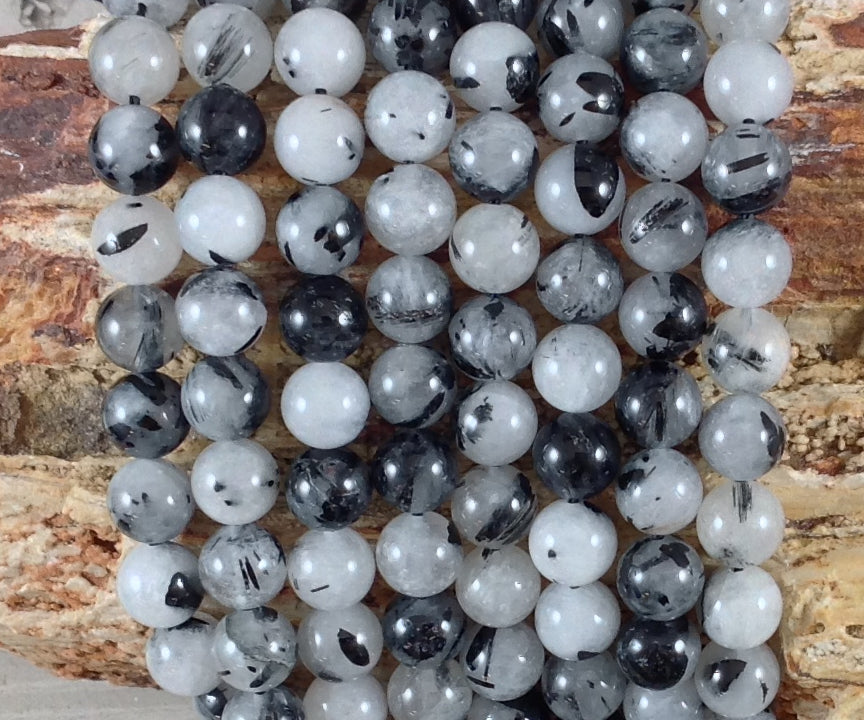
[
  {"x": 579, "y": 190},
  {"x": 351, "y": 8},
  {"x": 496, "y": 423},
  {"x": 164, "y": 12},
  {"x": 415, "y": 471},
  {"x": 221, "y": 311},
  {"x": 242, "y": 566},
  {"x": 575, "y": 622},
  {"x": 419, "y": 555},
  {"x": 746, "y": 263},
  {"x": 340, "y": 645},
  {"x": 494, "y": 248},
  {"x": 747, "y": 169},
  {"x": 664, "y": 137},
  {"x": 502, "y": 663},
  {"x": 227, "y": 44},
  {"x": 410, "y": 210},
  {"x": 740, "y": 523},
  {"x": 362, "y": 698},
  {"x": 565, "y": 26},
  {"x": 319, "y": 140},
  {"x": 737, "y": 683},
  {"x": 742, "y": 437},
  {"x": 725, "y": 21},
  {"x": 235, "y": 482},
  {"x": 134, "y": 60},
  {"x": 325, "y": 405},
  {"x": 663, "y": 227},
  {"x": 262, "y": 8},
  {"x": 159, "y": 586},
  {"x": 515, "y": 12},
  {"x": 441, "y": 693},
  {"x": 278, "y": 703},
  {"x": 143, "y": 416},
  {"x": 409, "y": 299},
  {"x": 150, "y": 500},
  {"x": 680, "y": 702},
  {"x": 576, "y": 456},
  {"x": 331, "y": 569},
  {"x": 328, "y": 488},
  {"x": 319, "y": 51},
  {"x": 572, "y": 543},
  {"x": 492, "y": 338},
  {"x": 412, "y": 386},
  {"x": 493, "y": 506},
  {"x": 658, "y": 655},
  {"x": 748, "y": 81},
  {"x": 412, "y": 36},
  {"x": 179, "y": 659},
  {"x": 642, "y": 6},
  {"x": 576, "y": 368},
  {"x": 494, "y": 157},
  {"x": 423, "y": 632},
  {"x": 319, "y": 230},
  {"x": 741, "y": 607},
  {"x": 409, "y": 116},
  {"x": 211, "y": 704},
  {"x": 133, "y": 150},
  {"x": 255, "y": 650},
  {"x": 323, "y": 318},
  {"x": 136, "y": 328},
  {"x": 588, "y": 689},
  {"x": 581, "y": 98},
  {"x": 663, "y": 315},
  {"x": 659, "y": 491},
  {"x": 528, "y": 707}
]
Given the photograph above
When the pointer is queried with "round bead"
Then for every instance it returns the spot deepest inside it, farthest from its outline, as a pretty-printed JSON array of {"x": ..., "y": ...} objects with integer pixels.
[
  {"x": 502, "y": 663},
  {"x": 134, "y": 60},
  {"x": 340, "y": 644},
  {"x": 351, "y": 8},
  {"x": 328, "y": 488},
  {"x": 663, "y": 315},
  {"x": 576, "y": 368},
  {"x": 495, "y": 66},
  {"x": 412, "y": 36},
  {"x": 746, "y": 263},
  {"x": 494, "y": 248},
  {"x": 579, "y": 190},
  {"x": 136, "y": 328},
  {"x": 659, "y": 491},
  {"x": 748, "y": 81},
  {"x": 494, "y": 156},
  {"x": 742, "y": 437},
  {"x": 331, "y": 569},
  {"x": 325, "y": 405},
  {"x": 150, "y": 500},
  {"x": 737, "y": 683},
  {"x": 515, "y": 12},
  {"x": 410, "y": 210},
  {"x": 572, "y": 543},
  {"x": 747, "y": 169},
  {"x": 143, "y": 415},
  {"x": 409, "y": 299},
  {"x": 211, "y": 704},
  {"x": 262, "y": 8},
  {"x": 221, "y": 220},
  {"x": 158, "y": 585},
  {"x": 227, "y": 44},
  {"x": 242, "y": 566},
  {"x": 642, "y": 6},
  {"x": 565, "y": 26},
  {"x": 323, "y": 318},
  {"x": 658, "y": 655},
  {"x": 740, "y": 523},
  {"x": 530, "y": 706},
  {"x": 493, "y": 506},
  {"x": 221, "y": 311},
  {"x": 726, "y": 21},
  {"x": 496, "y": 423},
  {"x": 319, "y": 140},
  {"x": 664, "y": 137},
  {"x": 235, "y": 482},
  {"x": 320, "y": 51},
  {"x": 574, "y": 622},
  {"x": 741, "y": 607},
  {"x": 319, "y": 230},
  {"x": 362, "y": 698},
  {"x": 680, "y": 702},
  {"x": 409, "y": 116},
  {"x": 587, "y": 689},
  {"x": 255, "y": 650},
  {"x": 164, "y": 12},
  {"x": 663, "y": 227},
  {"x": 278, "y": 703},
  {"x": 441, "y": 693},
  {"x": 419, "y": 555},
  {"x": 423, "y": 632},
  {"x": 180, "y": 660}
]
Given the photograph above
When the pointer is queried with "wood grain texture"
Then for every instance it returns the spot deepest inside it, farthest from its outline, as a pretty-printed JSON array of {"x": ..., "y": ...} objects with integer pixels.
[{"x": 58, "y": 551}]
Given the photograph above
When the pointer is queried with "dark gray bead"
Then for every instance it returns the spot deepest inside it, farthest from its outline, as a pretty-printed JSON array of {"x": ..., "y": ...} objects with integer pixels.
[
  {"x": 351, "y": 8},
  {"x": 657, "y": 655},
  {"x": 514, "y": 12},
  {"x": 423, "y": 632},
  {"x": 412, "y": 35}
]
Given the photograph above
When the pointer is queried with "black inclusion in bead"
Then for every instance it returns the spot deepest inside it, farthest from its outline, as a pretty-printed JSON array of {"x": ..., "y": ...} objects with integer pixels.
[
  {"x": 221, "y": 130},
  {"x": 323, "y": 318},
  {"x": 514, "y": 12},
  {"x": 654, "y": 654},
  {"x": 423, "y": 632},
  {"x": 351, "y": 8}
]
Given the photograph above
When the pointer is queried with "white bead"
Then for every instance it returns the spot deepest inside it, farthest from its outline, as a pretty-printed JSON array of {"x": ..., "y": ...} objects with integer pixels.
[
  {"x": 571, "y": 621},
  {"x": 362, "y": 698},
  {"x": 340, "y": 644},
  {"x": 741, "y": 607},
  {"x": 680, "y": 702},
  {"x": 429, "y": 693},
  {"x": 726, "y": 20},
  {"x": 180, "y": 659}
]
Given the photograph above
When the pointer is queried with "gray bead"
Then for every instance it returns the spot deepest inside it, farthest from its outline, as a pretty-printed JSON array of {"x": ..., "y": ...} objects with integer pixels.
[
  {"x": 340, "y": 645},
  {"x": 435, "y": 693},
  {"x": 726, "y": 21},
  {"x": 278, "y": 703},
  {"x": 737, "y": 683},
  {"x": 180, "y": 659},
  {"x": 680, "y": 702},
  {"x": 412, "y": 35},
  {"x": 423, "y": 632},
  {"x": 502, "y": 663},
  {"x": 663, "y": 227},
  {"x": 565, "y": 26},
  {"x": 262, "y": 8},
  {"x": 362, "y": 697},
  {"x": 211, "y": 704},
  {"x": 741, "y": 607},
  {"x": 642, "y": 6},
  {"x": 588, "y": 689},
  {"x": 164, "y": 12}
]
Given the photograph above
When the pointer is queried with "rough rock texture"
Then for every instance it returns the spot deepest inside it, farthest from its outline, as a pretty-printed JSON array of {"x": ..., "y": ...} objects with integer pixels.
[{"x": 58, "y": 550}]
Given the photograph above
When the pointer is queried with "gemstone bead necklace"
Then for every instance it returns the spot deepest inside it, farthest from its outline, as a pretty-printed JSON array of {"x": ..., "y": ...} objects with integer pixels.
[{"x": 528, "y": 628}]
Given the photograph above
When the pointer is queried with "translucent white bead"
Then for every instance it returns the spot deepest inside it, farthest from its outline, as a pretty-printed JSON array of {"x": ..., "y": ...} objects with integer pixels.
[
  {"x": 727, "y": 20},
  {"x": 680, "y": 702},
  {"x": 741, "y": 607},
  {"x": 362, "y": 698},
  {"x": 435, "y": 693},
  {"x": 340, "y": 644},
  {"x": 737, "y": 683},
  {"x": 180, "y": 659},
  {"x": 165, "y": 12},
  {"x": 278, "y": 703},
  {"x": 571, "y": 621},
  {"x": 579, "y": 689},
  {"x": 502, "y": 663}
]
